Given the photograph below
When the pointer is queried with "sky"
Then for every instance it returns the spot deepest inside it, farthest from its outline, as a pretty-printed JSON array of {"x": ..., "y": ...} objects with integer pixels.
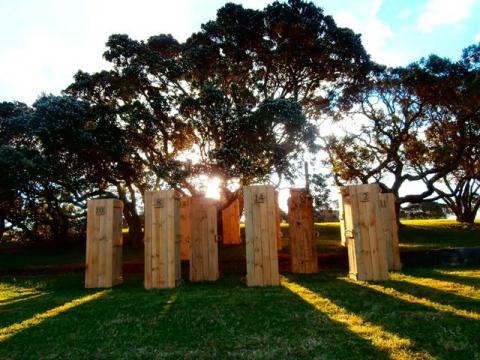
[{"x": 44, "y": 43}]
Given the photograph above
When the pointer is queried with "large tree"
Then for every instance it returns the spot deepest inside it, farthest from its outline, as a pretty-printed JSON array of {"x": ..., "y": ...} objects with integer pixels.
[
  {"x": 385, "y": 145},
  {"x": 237, "y": 100},
  {"x": 259, "y": 79},
  {"x": 453, "y": 88},
  {"x": 418, "y": 123},
  {"x": 34, "y": 196}
]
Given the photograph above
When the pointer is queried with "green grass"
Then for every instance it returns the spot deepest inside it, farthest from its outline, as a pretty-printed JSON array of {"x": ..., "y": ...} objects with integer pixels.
[
  {"x": 425, "y": 313},
  {"x": 418, "y": 234},
  {"x": 438, "y": 233},
  {"x": 415, "y": 234}
]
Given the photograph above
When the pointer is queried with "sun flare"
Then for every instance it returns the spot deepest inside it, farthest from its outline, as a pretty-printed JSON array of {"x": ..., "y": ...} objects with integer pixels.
[{"x": 213, "y": 188}]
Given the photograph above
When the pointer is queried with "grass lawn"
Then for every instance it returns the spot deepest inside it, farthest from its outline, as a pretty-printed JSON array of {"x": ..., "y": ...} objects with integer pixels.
[
  {"x": 438, "y": 233},
  {"x": 415, "y": 234},
  {"x": 418, "y": 234},
  {"x": 424, "y": 313}
]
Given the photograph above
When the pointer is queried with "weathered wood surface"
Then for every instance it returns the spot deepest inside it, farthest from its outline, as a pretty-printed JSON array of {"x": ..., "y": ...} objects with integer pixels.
[
  {"x": 261, "y": 235},
  {"x": 390, "y": 228},
  {"x": 341, "y": 219},
  {"x": 302, "y": 235},
  {"x": 162, "y": 239},
  {"x": 103, "y": 266},
  {"x": 278, "y": 218},
  {"x": 203, "y": 239},
  {"x": 364, "y": 232},
  {"x": 185, "y": 227},
  {"x": 231, "y": 223}
]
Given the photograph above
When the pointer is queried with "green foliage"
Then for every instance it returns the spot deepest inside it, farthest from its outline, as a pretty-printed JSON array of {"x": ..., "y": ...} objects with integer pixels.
[
  {"x": 320, "y": 194},
  {"x": 53, "y": 151},
  {"x": 455, "y": 89},
  {"x": 420, "y": 124},
  {"x": 238, "y": 89}
]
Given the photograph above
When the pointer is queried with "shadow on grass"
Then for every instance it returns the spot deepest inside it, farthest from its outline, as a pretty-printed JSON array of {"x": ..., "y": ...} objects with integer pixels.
[
  {"x": 438, "y": 333},
  {"x": 218, "y": 320}
]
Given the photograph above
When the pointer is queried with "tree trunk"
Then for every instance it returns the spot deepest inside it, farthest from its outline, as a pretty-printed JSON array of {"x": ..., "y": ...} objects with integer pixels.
[
  {"x": 134, "y": 222},
  {"x": 466, "y": 217}
]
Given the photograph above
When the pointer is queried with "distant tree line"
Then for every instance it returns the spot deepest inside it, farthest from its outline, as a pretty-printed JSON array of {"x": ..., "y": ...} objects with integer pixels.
[
  {"x": 425, "y": 210},
  {"x": 239, "y": 100}
]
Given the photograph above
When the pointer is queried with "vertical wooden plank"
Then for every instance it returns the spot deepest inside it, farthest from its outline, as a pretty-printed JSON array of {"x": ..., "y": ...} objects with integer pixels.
[
  {"x": 301, "y": 244},
  {"x": 148, "y": 208},
  {"x": 309, "y": 228},
  {"x": 341, "y": 218},
  {"x": 231, "y": 223},
  {"x": 273, "y": 229},
  {"x": 212, "y": 243},
  {"x": 103, "y": 255},
  {"x": 259, "y": 193},
  {"x": 203, "y": 240},
  {"x": 117, "y": 243},
  {"x": 292, "y": 231},
  {"x": 278, "y": 218},
  {"x": 102, "y": 248},
  {"x": 370, "y": 221},
  {"x": 108, "y": 245},
  {"x": 261, "y": 235},
  {"x": 172, "y": 240},
  {"x": 385, "y": 223},
  {"x": 178, "y": 238},
  {"x": 249, "y": 233},
  {"x": 302, "y": 237},
  {"x": 364, "y": 227},
  {"x": 396, "y": 263},
  {"x": 376, "y": 228},
  {"x": 266, "y": 236},
  {"x": 358, "y": 234},
  {"x": 379, "y": 233},
  {"x": 390, "y": 230},
  {"x": 155, "y": 245},
  {"x": 90, "y": 247},
  {"x": 184, "y": 227},
  {"x": 100, "y": 255},
  {"x": 349, "y": 232},
  {"x": 161, "y": 239},
  {"x": 168, "y": 240},
  {"x": 193, "y": 253},
  {"x": 382, "y": 249},
  {"x": 158, "y": 245}
]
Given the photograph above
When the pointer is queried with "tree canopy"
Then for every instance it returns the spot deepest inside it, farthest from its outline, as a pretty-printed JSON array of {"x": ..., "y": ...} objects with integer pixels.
[
  {"x": 238, "y": 100},
  {"x": 418, "y": 123}
]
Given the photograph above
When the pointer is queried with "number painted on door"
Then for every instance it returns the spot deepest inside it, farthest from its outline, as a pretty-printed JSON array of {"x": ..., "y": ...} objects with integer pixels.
[
  {"x": 260, "y": 198},
  {"x": 364, "y": 197}
]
